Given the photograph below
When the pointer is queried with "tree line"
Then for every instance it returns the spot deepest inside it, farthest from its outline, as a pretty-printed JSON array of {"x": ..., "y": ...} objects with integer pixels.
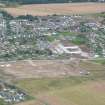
[{"x": 45, "y": 1}]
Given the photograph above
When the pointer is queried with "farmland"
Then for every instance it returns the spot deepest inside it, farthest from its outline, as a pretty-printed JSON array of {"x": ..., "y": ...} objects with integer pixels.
[
  {"x": 49, "y": 9},
  {"x": 68, "y": 90},
  {"x": 65, "y": 91}
]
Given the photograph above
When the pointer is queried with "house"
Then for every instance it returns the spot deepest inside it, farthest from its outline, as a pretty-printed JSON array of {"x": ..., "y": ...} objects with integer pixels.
[
  {"x": 65, "y": 47},
  {"x": 101, "y": 0},
  {"x": 11, "y": 95},
  {"x": 60, "y": 48}
]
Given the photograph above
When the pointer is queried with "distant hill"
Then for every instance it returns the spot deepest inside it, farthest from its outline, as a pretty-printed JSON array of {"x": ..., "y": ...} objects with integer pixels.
[{"x": 45, "y": 1}]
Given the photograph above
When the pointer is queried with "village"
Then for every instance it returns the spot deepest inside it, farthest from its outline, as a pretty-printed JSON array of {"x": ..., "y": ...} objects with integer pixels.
[
  {"x": 50, "y": 37},
  {"x": 10, "y": 94},
  {"x": 52, "y": 59}
]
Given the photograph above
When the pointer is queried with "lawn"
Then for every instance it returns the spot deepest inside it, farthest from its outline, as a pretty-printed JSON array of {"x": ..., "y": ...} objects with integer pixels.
[
  {"x": 99, "y": 60},
  {"x": 66, "y": 33},
  {"x": 102, "y": 14},
  {"x": 2, "y": 102},
  {"x": 61, "y": 34}
]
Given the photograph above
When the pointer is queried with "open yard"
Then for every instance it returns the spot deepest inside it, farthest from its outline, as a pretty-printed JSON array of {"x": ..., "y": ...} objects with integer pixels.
[{"x": 49, "y": 9}]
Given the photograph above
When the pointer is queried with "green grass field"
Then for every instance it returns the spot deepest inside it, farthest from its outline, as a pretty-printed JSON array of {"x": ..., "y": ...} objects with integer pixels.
[
  {"x": 2, "y": 102},
  {"x": 68, "y": 91},
  {"x": 99, "y": 60},
  {"x": 61, "y": 34}
]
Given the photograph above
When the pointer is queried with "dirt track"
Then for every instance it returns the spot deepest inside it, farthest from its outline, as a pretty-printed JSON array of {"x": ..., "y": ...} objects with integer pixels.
[{"x": 49, "y": 9}]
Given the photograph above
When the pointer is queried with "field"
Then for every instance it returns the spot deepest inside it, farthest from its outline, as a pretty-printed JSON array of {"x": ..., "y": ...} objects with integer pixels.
[
  {"x": 40, "y": 68},
  {"x": 49, "y": 9},
  {"x": 73, "y": 89},
  {"x": 50, "y": 68},
  {"x": 68, "y": 91}
]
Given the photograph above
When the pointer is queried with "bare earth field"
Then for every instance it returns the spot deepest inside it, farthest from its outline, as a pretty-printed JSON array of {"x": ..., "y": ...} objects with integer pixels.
[
  {"x": 50, "y": 68},
  {"x": 41, "y": 68},
  {"x": 49, "y": 9}
]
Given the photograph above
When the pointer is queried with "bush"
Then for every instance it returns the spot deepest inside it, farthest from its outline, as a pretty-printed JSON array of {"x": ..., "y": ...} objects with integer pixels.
[{"x": 80, "y": 39}]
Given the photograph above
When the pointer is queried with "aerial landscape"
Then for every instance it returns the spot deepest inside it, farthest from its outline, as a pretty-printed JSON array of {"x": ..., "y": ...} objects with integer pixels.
[{"x": 52, "y": 52}]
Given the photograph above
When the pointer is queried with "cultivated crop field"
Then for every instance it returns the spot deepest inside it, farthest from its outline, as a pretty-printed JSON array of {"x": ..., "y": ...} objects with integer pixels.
[{"x": 49, "y": 9}]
